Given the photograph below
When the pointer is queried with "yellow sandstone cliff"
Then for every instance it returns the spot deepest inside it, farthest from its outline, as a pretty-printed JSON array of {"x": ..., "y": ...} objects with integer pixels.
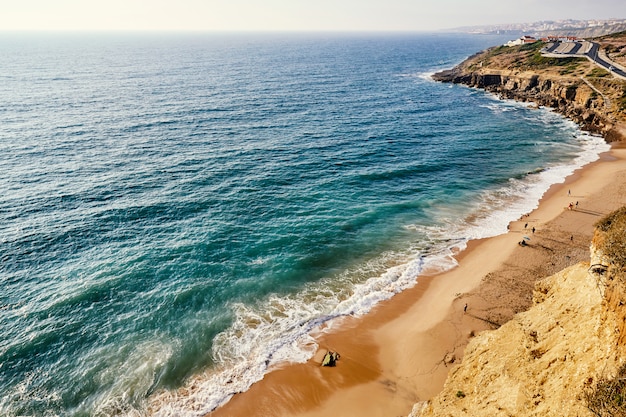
[{"x": 559, "y": 358}]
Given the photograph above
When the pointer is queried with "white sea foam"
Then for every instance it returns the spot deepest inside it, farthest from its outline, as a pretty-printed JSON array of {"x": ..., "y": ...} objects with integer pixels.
[
  {"x": 424, "y": 75},
  {"x": 280, "y": 330},
  {"x": 499, "y": 105},
  {"x": 428, "y": 75},
  {"x": 28, "y": 390},
  {"x": 129, "y": 377}
]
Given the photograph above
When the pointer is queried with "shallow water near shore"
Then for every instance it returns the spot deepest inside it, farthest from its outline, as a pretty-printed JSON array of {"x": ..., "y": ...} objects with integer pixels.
[{"x": 182, "y": 208}]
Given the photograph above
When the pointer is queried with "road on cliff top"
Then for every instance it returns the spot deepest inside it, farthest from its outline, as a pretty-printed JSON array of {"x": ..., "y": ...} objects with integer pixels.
[{"x": 580, "y": 49}]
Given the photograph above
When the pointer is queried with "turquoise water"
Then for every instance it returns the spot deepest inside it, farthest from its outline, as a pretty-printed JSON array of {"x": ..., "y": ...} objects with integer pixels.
[{"x": 186, "y": 210}]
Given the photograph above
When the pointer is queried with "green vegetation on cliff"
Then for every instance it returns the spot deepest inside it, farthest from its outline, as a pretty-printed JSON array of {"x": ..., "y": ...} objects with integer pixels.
[
  {"x": 574, "y": 86},
  {"x": 608, "y": 399},
  {"x": 524, "y": 58},
  {"x": 613, "y": 239}
]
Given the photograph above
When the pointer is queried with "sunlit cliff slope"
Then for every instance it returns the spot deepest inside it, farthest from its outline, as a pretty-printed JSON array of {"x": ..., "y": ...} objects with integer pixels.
[{"x": 565, "y": 356}]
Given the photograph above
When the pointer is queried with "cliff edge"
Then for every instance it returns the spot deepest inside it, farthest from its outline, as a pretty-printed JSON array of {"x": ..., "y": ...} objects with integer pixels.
[
  {"x": 574, "y": 87},
  {"x": 562, "y": 357}
]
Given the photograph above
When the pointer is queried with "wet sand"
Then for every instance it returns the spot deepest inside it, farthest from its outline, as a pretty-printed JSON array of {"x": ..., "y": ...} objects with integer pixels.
[{"x": 401, "y": 352}]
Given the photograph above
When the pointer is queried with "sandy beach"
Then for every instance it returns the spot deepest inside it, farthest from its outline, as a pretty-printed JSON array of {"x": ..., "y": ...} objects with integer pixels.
[{"x": 401, "y": 352}]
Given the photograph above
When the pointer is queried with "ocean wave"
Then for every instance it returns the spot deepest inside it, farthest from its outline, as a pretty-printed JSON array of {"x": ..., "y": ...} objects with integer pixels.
[{"x": 279, "y": 330}]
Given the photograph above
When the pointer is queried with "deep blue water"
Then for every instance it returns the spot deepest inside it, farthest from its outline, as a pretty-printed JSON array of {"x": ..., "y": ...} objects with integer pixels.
[{"x": 180, "y": 208}]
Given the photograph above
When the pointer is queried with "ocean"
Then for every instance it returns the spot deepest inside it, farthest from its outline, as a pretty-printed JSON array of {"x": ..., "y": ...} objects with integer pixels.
[{"x": 180, "y": 213}]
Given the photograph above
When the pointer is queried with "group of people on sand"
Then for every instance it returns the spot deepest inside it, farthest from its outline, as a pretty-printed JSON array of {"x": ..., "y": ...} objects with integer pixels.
[
  {"x": 523, "y": 241},
  {"x": 571, "y": 205}
]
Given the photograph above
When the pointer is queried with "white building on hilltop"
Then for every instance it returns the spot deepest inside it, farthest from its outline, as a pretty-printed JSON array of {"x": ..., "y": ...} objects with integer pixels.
[{"x": 521, "y": 41}]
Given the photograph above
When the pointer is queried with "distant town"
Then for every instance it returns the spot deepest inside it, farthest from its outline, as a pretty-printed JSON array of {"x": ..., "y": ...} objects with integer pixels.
[{"x": 568, "y": 27}]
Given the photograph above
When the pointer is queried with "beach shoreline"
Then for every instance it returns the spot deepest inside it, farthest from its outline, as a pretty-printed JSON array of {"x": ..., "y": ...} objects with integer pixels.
[{"x": 400, "y": 353}]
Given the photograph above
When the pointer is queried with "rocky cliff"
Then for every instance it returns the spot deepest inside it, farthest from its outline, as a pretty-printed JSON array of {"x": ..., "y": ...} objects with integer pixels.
[
  {"x": 562, "y": 357},
  {"x": 573, "y": 87}
]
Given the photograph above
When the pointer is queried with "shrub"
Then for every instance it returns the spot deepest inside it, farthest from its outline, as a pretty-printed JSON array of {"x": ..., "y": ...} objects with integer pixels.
[
  {"x": 537, "y": 61},
  {"x": 621, "y": 102},
  {"x": 613, "y": 242},
  {"x": 599, "y": 72},
  {"x": 608, "y": 399},
  {"x": 535, "y": 46}
]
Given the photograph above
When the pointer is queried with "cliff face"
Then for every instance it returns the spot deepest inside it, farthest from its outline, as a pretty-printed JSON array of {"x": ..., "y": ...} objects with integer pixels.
[
  {"x": 574, "y": 87},
  {"x": 548, "y": 360},
  {"x": 576, "y": 98}
]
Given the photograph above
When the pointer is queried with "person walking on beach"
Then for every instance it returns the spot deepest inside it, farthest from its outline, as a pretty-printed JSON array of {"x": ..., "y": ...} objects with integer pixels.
[
  {"x": 465, "y": 308},
  {"x": 533, "y": 230}
]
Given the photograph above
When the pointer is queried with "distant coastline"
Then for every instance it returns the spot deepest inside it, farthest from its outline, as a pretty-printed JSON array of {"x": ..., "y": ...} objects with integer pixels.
[{"x": 567, "y": 27}]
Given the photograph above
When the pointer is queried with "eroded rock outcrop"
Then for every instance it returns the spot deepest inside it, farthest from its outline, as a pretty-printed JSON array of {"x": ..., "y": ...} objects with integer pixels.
[{"x": 572, "y": 97}]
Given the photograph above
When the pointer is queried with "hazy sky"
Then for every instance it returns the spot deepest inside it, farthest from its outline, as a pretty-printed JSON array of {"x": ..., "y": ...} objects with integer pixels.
[{"x": 361, "y": 15}]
